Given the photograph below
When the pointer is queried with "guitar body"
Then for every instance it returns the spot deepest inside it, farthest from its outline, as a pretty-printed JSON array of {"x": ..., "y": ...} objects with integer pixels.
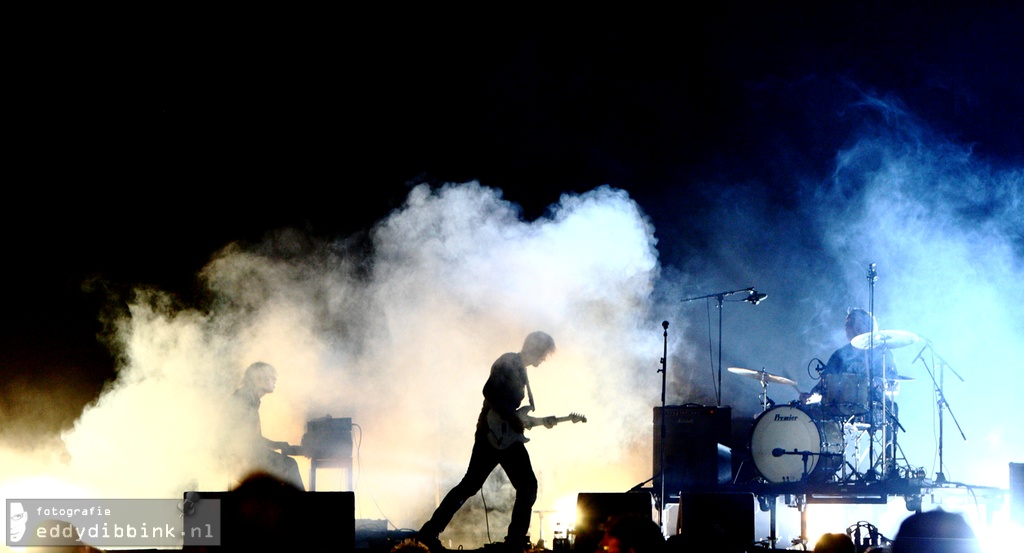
[{"x": 501, "y": 435}]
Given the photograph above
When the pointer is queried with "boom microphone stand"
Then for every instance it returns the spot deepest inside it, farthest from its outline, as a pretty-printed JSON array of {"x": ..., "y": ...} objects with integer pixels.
[
  {"x": 753, "y": 298},
  {"x": 940, "y": 477}
]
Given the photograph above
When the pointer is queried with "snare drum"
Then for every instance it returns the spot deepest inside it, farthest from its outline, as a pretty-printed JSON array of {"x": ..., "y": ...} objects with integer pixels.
[{"x": 783, "y": 436}]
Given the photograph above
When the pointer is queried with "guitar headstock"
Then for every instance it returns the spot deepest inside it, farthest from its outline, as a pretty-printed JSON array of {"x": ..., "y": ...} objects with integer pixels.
[{"x": 576, "y": 417}]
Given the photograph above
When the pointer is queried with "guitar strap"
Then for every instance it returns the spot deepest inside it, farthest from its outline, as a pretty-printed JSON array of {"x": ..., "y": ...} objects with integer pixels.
[{"x": 529, "y": 392}]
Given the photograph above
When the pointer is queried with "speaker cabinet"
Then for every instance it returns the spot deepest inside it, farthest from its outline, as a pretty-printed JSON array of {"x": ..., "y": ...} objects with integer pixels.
[
  {"x": 267, "y": 516},
  {"x": 594, "y": 509},
  {"x": 694, "y": 454},
  {"x": 722, "y": 522}
]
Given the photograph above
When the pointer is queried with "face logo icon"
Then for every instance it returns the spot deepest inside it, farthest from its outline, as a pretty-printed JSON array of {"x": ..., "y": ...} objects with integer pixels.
[{"x": 19, "y": 519}]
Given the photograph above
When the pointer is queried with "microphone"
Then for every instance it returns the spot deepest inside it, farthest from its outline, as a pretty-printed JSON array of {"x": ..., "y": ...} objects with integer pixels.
[
  {"x": 919, "y": 354},
  {"x": 755, "y": 298},
  {"x": 778, "y": 452}
]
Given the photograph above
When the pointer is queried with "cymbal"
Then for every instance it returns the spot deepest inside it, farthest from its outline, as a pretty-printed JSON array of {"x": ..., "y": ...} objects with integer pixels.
[
  {"x": 901, "y": 378},
  {"x": 890, "y": 339},
  {"x": 761, "y": 374}
]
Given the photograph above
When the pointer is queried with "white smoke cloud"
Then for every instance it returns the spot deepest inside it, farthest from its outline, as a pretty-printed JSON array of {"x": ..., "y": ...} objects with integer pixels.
[{"x": 401, "y": 342}]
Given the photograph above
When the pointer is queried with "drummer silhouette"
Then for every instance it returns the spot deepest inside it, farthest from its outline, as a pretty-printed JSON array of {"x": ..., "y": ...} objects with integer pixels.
[{"x": 844, "y": 386}]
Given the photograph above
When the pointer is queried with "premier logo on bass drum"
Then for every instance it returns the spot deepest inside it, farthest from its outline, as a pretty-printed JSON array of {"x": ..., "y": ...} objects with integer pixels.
[{"x": 780, "y": 417}]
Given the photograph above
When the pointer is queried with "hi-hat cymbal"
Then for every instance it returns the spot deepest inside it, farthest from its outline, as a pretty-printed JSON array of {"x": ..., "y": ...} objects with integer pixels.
[
  {"x": 890, "y": 339},
  {"x": 761, "y": 375},
  {"x": 901, "y": 378}
]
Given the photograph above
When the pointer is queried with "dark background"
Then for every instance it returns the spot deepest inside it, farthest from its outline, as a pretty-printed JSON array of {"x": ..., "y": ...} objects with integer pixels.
[{"x": 140, "y": 144}]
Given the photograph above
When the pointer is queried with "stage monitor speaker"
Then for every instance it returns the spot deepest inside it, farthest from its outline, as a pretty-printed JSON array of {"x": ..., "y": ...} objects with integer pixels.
[
  {"x": 594, "y": 509},
  {"x": 694, "y": 454},
  {"x": 1017, "y": 493},
  {"x": 261, "y": 517},
  {"x": 722, "y": 522}
]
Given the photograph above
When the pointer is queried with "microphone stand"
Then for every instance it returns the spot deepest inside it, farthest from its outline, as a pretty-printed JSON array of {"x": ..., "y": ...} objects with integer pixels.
[
  {"x": 940, "y": 477},
  {"x": 720, "y": 297},
  {"x": 664, "y": 372},
  {"x": 661, "y": 465}
]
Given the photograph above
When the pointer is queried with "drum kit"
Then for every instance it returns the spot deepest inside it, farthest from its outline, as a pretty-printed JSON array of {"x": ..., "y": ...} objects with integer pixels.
[{"x": 820, "y": 441}]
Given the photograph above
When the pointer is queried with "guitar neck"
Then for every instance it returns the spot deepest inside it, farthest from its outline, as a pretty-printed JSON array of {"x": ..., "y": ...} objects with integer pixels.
[{"x": 531, "y": 421}]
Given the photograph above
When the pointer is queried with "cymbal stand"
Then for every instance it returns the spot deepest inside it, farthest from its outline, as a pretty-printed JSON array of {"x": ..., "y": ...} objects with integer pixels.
[
  {"x": 940, "y": 401},
  {"x": 890, "y": 424},
  {"x": 764, "y": 391},
  {"x": 872, "y": 278}
]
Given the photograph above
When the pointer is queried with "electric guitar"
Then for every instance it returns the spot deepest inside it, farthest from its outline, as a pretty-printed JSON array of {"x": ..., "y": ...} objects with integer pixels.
[{"x": 501, "y": 434}]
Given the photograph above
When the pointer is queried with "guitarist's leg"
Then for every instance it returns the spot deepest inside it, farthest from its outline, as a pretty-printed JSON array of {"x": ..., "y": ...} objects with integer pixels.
[
  {"x": 481, "y": 463},
  {"x": 516, "y": 462}
]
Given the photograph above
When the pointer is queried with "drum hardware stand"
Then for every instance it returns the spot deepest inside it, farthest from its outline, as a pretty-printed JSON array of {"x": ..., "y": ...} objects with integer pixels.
[
  {"x": 895, "y": 421},
  {"x": 540, "y": 523},
  {"x": 884, "y": 434},
  {"x": 753, "y": 298},
  {"x": 856, "y": 450},
  {"x": 872, "y": 279},
  {"x": 849, "y": 477},
  {"x": 764, "y": 392},
  {"x": 890, "y": 424},
  {"x": 886, "y": 462},
  {"x": 849, "y": 472},
  {"x": 802, "y": 540},
  {"x": 769, "y": 503},
  {"x": 940, "y": 477},
  {"x": 800, "y": 502}
]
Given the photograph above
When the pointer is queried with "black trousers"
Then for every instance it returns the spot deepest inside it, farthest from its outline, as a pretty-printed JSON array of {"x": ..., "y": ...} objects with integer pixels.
[
  {"x": 282, "y": 466},
  {"x": 515, "y": 461}
]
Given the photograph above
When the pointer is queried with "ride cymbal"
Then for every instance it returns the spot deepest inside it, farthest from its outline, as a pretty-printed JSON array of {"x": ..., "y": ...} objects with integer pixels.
[{"x": 890, "y": 339}]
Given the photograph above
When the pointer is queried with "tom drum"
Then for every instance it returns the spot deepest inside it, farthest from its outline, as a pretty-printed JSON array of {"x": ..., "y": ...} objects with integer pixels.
[{"x": 845, "y": 394}]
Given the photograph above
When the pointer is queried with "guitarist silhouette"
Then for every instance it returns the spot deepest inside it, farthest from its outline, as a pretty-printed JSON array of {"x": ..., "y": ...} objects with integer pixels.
[
  {"x": 501, "y": 434},
  {"x": 499, "y": 440}
]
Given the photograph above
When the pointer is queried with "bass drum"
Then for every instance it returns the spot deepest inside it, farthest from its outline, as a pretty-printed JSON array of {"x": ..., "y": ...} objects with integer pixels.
[{"x": 784, "y": 433}]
